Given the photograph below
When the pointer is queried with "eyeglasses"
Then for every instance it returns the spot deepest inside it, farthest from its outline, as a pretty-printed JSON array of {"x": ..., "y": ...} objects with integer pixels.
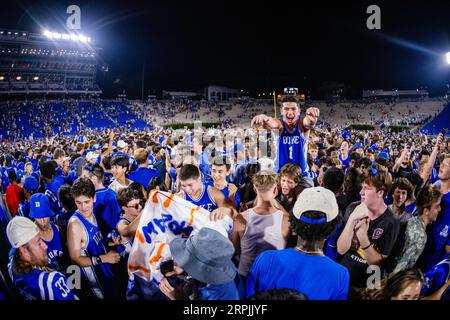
[{"x": 136, "y": 206}]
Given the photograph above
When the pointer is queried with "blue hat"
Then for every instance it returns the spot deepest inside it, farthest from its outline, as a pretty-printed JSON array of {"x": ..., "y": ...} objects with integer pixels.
[
  {"x": 162, "y": 138},
  {"x": 96, "y": 147},
  {"x": 40, "y": 206},
  {"x": 374, "y": 147},
  {"x": 346, "y": 134},
  {"x": 383, "y": 155},
  {"x": 31, "y": 184},
  {"x": 357, "y": 145}
]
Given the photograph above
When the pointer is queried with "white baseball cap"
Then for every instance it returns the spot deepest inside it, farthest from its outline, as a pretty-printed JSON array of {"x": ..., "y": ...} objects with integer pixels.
[
  {"x": 316, "y": 199},
  {"x": 91, "y": 156},
  {"x": 121, "y": 144},
  {"x": 21, "y": 230}
]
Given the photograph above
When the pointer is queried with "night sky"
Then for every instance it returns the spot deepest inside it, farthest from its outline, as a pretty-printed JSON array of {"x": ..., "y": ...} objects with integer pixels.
[{"x": 255, "y": 46}]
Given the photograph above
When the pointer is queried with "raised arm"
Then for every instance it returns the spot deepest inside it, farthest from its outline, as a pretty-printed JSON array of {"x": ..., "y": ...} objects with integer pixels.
[
  {"x": 426, "y": 172},
  {"x": 309, "y": 121},
  {"x": 266, "y": 122}
]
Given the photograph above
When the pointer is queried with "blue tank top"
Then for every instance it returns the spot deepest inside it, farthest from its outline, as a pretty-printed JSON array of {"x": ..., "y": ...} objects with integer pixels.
[
  {"x": 205, "y": 200},
  {"x": 226, "y": 193},
  {"x": 102, "y": 281},
  {"x": 55, "y": 250},
  {"x": 345, "y": 162},
  {"x": 292, "y": 148}
]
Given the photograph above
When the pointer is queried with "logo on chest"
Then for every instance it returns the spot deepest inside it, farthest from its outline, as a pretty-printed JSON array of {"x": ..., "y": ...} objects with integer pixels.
[
  {"x": 377, "y": 233},
  {"x": 291, "y": 140}
]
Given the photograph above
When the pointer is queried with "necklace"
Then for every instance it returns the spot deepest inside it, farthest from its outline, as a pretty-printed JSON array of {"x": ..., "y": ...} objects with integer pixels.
[{"x": 309, "y": 252}]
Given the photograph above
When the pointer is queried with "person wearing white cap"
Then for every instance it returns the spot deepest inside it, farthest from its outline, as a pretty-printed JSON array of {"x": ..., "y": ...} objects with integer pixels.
[
  {"x": 304, "y": 268},
  {"x": 28, "y": 266}
]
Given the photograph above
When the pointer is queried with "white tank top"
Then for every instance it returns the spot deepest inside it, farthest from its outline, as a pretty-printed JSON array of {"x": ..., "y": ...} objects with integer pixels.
[{"x": 263, "y": 232}]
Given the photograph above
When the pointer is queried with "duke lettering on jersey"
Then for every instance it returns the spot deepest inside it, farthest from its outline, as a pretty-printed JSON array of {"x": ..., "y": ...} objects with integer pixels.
[{"x": 292, "y": 148}]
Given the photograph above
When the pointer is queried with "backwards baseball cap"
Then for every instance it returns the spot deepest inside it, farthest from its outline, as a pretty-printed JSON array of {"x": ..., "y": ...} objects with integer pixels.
[
  {"x": 358, "y": 145},
  {"x": 316, "y": 199},
  {"x": 21, "y": 230},
  {"x": 91, "y": 156},
  {"x": 31, "y": 184},
  {"x": 40, "y": 206}
]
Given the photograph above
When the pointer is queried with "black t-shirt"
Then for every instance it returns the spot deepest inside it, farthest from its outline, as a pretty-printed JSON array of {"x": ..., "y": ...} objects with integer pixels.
[{"x": 382, "y": 232}]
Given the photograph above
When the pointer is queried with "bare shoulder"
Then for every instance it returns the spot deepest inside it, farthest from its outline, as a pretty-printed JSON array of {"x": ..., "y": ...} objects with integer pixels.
[{"x": 240, "y": 223}]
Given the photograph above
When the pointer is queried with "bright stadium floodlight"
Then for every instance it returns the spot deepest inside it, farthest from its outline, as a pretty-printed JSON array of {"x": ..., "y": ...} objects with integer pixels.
[
  {"x": 447, "y": 56},
  {"x": 2, "y": 78},
  {"x": 18, "y": 78},
  {"x": 35, "y": 78},
  {"x": 82, "y": 38},
  {"x": 48, "y": 34}
]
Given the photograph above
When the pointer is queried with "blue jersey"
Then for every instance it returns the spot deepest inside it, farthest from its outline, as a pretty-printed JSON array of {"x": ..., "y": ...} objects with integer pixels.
[
  {"x": 345, "y": 162},
  {"x": 205, "y": 200},
  {"x": 108, "y": 178},
  {"x": 51, "y": 191},
  {"x": 106, "y": 210},
  {"x": 226, "y": 193},
  {"x": 24, "y": 209},
  {"x": 55, "y": 250},
  {"x": 41, "y": 284},
  {"x": 436, "y": 277},
  {"x": 292, "y": 148},
  {"x": 102, "y": 281}
]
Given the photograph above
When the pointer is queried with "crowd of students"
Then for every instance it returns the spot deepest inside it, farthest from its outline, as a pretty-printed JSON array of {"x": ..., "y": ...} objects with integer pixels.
[{"x": 355, "y": 215}]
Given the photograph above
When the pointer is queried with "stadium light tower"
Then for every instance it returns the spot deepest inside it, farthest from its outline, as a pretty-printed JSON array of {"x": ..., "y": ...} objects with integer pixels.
[{"x": 447, "y": 56}]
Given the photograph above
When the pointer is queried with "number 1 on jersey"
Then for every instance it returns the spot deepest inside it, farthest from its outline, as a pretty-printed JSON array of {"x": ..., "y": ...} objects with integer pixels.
[{"x": 291, "y": 148}]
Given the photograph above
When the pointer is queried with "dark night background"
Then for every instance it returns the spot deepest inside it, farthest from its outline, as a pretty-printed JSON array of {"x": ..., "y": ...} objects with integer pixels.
[{"x": 255, "y": 46}]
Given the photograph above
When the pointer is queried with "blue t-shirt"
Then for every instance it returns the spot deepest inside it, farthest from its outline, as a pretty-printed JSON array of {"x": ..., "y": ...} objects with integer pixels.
[
  {"x": 436, "y": 277},
  {"x": 143, "y": 176},
  {"x": 438, "y": 233},
  {"x": 106, "y": 210},
  {"x": 318, "y": 277}
]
